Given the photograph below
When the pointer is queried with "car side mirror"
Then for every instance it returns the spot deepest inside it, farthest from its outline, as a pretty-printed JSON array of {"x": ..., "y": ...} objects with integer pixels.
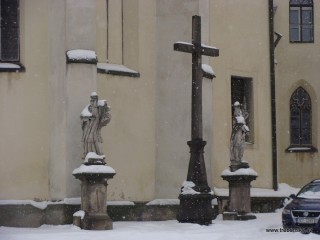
[{"x": 293, "y": 196}]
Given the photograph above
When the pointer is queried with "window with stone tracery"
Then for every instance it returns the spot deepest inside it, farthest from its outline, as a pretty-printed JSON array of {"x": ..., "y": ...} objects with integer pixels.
[{"x": 301, "y": 118}]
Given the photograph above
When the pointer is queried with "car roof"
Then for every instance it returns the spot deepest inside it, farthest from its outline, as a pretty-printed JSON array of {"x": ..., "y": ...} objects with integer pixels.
[{"x": 315, "y": 181}]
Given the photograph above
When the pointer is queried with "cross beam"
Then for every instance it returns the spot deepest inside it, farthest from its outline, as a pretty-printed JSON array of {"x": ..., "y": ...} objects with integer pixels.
[{"x": 190, "y": 48}]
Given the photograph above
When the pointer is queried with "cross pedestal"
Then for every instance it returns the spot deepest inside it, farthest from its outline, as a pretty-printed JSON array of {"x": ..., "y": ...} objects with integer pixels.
[{"x": 196, "y": 207}]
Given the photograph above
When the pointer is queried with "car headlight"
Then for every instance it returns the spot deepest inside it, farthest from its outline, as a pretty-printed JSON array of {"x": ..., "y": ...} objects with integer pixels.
[{"x": 286, "y": 211}]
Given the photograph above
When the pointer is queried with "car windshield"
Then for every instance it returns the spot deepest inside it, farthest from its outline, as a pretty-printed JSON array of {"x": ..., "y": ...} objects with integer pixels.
[{"x": 311, "y": 191}]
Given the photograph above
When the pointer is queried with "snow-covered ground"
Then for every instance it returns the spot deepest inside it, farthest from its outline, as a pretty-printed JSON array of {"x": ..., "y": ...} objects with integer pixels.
[{"x": 168, "y": 230}]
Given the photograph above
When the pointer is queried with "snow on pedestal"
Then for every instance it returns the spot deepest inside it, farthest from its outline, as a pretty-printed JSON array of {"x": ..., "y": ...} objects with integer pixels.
[
  {"x": 93, "y": 155},
  {"x": 93, "y": 159},
  {"x": 94, "y": 169},
  {"x": 241, "y": 171},
  {"x": 187, "y": 188}
]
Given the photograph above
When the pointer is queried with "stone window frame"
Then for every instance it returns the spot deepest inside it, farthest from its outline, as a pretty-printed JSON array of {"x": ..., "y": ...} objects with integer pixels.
[
  {"x": 245, "y": 91},
  {"x": 10, "y": 36},
  {"x": 301, "y": 114},
  {"x": 301, "y": 6}
]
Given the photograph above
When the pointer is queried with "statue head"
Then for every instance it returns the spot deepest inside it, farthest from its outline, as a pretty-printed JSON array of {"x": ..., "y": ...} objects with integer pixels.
[
  {"x": 236, "y": 104},
  {"x": 94, "y": 99}
]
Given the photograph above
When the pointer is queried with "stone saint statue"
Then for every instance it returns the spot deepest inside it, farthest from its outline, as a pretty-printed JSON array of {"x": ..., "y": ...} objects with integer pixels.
[
  {"x": 237, "y": 141},
  {"x": 93, "y": 117}
]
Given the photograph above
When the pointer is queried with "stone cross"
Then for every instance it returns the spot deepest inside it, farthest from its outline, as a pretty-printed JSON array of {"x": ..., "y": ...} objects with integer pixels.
[
  {"x": 197, "y": 49},
  {"x": 196, "y": 208}
]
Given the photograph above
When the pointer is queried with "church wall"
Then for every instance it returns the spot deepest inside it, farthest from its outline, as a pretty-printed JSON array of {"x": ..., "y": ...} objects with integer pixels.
[
  {"x": 57, "y": 99},
  {"x": 173, "y": 96},
  {"x": 240, "y": 31},
  {"x": 24, "y": 111},
  {"x": 80, "y": 81},
  {"x": 146, "y": 140},
  {"x": 298, "y": 66},
  {"x": 129, "y": 139}
]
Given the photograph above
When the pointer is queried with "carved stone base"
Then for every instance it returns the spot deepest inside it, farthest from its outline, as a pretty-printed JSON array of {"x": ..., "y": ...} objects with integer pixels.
[
  {"x": 94, "y": 196},
  {"x": 195, "y": 208},
  {"x": 97, "y": 222},
  {"x": 239, "y": 206}
]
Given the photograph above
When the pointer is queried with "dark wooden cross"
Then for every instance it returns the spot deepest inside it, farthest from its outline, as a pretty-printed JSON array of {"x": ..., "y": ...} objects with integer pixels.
[
  {"x": 196, "y": 209},
  {"x": 197, "y": 49}
]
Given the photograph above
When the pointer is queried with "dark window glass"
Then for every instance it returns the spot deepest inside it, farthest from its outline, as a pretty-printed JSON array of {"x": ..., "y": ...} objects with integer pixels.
[
  {"x": 241, "y": 91},
  {"x": 9, "y": 30},
  {"x": 301, "y": 115}
]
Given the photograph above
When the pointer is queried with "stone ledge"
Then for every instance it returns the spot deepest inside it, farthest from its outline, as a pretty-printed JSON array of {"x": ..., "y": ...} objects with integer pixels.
[
  {"x": 30, "y": 216},
  {"x": 27, "y": 215},
  {"x": 258, "y": 204},
  {"x": 116, "y": 69},
  {"x": 11, "y": 67}
]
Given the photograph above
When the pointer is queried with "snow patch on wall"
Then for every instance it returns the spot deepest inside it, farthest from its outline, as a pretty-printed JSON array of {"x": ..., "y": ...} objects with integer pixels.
[{"x": 81, "y": 54}]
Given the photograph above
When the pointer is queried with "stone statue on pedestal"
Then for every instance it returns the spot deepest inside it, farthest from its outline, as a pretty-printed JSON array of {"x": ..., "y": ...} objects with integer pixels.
[
  {"x": 240, "y": 175},
  {"x": 238, "y": 135},
  {"x": 93, "y": 173}
]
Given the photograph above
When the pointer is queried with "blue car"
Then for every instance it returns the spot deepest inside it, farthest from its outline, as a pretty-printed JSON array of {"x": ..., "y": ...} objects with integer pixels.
[{"x": 303, "y": 212}]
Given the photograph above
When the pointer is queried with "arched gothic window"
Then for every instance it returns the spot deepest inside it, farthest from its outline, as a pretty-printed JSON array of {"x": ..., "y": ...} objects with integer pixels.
[
  {"x": 301, "y": 118},
  {"x": 301, "y": 21}
]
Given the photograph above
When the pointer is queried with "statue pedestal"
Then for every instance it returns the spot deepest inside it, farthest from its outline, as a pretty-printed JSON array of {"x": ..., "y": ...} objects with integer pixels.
[
  {"x": 94, "y": 196},
  {"x": 239, "y": 207},
  {"x": 195, "y": 208}
]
